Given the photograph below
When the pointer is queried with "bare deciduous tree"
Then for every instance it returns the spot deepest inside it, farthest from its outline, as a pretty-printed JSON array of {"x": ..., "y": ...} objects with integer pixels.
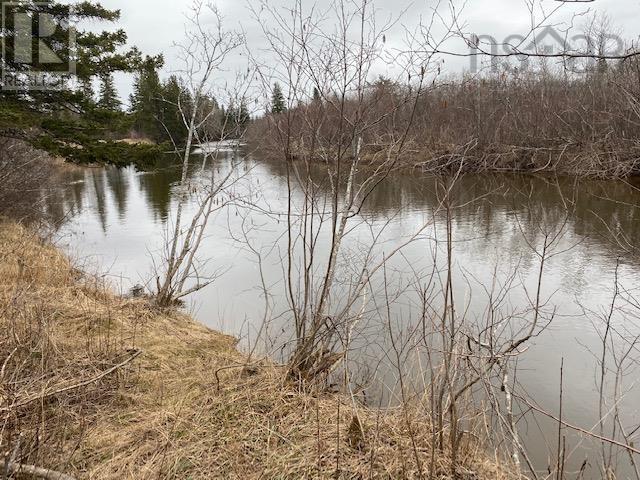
[{"x": 207, "y": 47}]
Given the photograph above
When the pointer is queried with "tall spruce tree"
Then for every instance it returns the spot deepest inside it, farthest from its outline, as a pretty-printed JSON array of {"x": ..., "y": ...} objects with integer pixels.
[
  {"x": 88, "y": 95},
  {"x": 236, "y": 118},
  {"x": 278, "y": 104},
  {"x": 146, "y": 100},
  {"x": 243, "y": 115},
  {"x": 108, "y": 99},
  {"x": 175, "y": 100}
]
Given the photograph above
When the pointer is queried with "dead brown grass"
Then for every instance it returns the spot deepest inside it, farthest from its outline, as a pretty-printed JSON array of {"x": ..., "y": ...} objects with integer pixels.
[{"x": 184, "y": 408}]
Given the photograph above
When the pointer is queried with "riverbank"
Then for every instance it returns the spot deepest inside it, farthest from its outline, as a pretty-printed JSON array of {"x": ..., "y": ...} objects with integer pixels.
[
  {"x": 596, "y": 161},
  {"x": 94, "y": 385}
]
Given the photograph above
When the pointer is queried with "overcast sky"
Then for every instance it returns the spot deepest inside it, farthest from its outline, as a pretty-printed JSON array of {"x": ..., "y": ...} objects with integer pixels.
[{"x": 155, "y": 25}]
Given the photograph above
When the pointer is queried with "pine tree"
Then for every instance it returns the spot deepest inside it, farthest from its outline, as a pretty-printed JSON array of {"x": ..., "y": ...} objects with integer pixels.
[
  {"x": 146, "y": 100},
  {"x": 88, "y": 95},
  {"x": 108, "y": 94},
  {"x": 174, "y": 93},
  {"x": 134, "y": 98},
  {"x": 278, "y": 104},
  {"x": 238, "y": 119},
  {"x": 243, "y": 114},
  {"x": 230, "y": 121}
]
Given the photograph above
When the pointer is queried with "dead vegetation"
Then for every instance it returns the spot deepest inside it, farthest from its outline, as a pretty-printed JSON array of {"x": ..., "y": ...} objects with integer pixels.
[
  {"x": 25, "y": 176},
  {"x": 533, "y": 121},
  {"x": 98, "y": 386}
]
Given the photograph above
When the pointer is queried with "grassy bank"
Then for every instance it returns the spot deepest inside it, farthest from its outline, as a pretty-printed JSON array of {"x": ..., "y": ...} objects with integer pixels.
[{"x": 99, "y": 386}]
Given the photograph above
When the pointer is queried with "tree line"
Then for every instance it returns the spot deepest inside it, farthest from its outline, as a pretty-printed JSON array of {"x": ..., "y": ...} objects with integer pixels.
[
  {"x": 86, "y": 122},
  {"x": 540, "y": 119}
]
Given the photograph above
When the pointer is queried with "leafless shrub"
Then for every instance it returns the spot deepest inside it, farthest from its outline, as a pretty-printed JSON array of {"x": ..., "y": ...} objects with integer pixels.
[
  {"x": 178, "y": 272},
  {"x": 25, "y": 176}
]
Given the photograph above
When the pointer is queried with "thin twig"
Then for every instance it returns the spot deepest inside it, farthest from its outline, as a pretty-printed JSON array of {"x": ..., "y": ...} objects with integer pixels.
[
  {"x": 578, "y": 429},
  {"x": 74, "y": 386}
]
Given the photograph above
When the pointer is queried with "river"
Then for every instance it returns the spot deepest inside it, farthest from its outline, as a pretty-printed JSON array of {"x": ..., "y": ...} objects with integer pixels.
[{"x": 117, "y": 222}]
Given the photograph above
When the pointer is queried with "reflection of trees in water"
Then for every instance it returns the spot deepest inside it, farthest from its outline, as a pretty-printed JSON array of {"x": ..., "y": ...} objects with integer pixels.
[
  {"x": 156, "y": 187},
  {"x": 489, "y": 206},
  {"x": 118, "y": 182},
  {"x": 500, "y": 206},
  {"x": 67, "y": 197},
  {"x": 491, "y": 201},
  {"x": 610, "y": 207},
  {"x": 498, "y": 217},
  {"x": 74, "y": 193},
  {"x": 97, "y": 178}
]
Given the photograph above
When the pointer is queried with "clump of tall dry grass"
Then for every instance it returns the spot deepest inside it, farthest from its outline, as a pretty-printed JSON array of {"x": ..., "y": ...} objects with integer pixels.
[{"x": 99, "y": 386}]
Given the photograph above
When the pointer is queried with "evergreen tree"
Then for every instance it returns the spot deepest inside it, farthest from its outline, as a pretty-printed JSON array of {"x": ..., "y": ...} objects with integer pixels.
[
  {"x": 230, "y": 121},
  {"x": 88, "y": 95},
  {"x": 146, "y": 100},
  {"x": 108, "y": 94},
  {"x": 236, "y": 119},
  {"x": 316, "y": 95},
  {"x": 278, "y": 104},
  {"x": 97, "y": 53},
  {"x": 243, "y": 115},
  {"x": 134, "y": 98},
  {"x": 175, "y": 96}
]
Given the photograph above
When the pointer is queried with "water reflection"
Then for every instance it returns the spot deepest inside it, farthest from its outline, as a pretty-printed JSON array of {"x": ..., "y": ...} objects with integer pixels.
[
  {"x": 598, "y": 208},
  {"x": 499, "y": 221},
  {"x": 118, "y": 185}
]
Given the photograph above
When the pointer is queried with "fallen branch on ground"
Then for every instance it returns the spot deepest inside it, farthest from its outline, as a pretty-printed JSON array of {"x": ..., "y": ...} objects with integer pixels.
[
  {"x": 74, "y": 386},
  {"x": 38, "y": 472}
]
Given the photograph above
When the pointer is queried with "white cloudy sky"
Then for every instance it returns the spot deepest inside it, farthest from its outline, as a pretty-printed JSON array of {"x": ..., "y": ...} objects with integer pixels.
[{"x": 155, "y": 25}]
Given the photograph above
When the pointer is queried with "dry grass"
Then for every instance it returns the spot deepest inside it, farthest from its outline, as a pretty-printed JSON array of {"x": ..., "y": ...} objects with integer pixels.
[
  {"x": 137, "y": 141},
  {"x": 165, "y": 414}
]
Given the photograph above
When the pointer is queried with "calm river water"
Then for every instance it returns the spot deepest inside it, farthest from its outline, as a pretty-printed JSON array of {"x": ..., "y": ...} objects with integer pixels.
[{"x": 117, "y": 221}]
